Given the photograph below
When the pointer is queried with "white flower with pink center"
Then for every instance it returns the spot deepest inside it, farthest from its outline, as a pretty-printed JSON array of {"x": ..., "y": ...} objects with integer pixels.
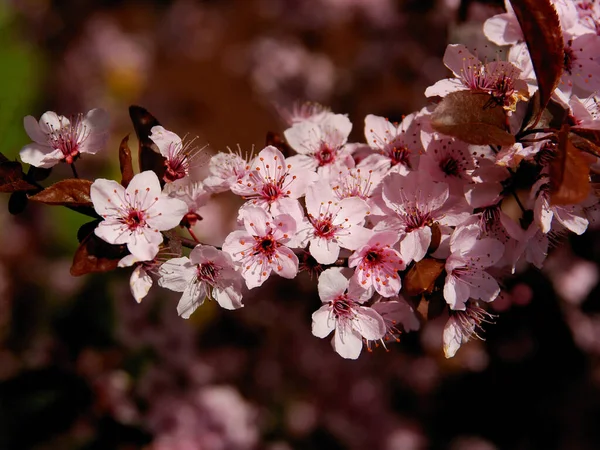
[
  {"x": 572, "y": 217},
  {"x": 140, "y": 280},
  {"x": 180, "y": 156},
  {"x": 321, "y": 146},
  {"x": 398, "y": 317},
  {"x": 449, "y": 160},
  {"x": 343, "y": 313},
  {"x": 377, "y": 264},
  {"x": 530, "y": 242},
  {"x": 501, "y": 79},
  {"x": 226, "y": 170},
  {"x": 207, "y": 273},
  {"x": 195, "y": 197},
  {"x": 399, "y": 143},
  {"x": 462, "y": 326},
  {"x": 272, "y": 183},
  {"x": 261, "y": 247},
  {"x": 305, "y": 112},
  {"x": 465, "y": 267},
  {"x": 332, "y": 224},
  {"x": 58, "y": 138},
  {"x": 135, "y": 215},
  {"x": 581, "y": 67},
  {"x": 585, "y": 113},
  {"x": 417, "y": 203}
]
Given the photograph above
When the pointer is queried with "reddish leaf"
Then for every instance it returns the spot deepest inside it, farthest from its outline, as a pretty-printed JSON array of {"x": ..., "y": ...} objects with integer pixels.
[
  {"x": 436, "y": 238},
  {"x": 422, "y": 276},
  {"x": 71, "y": 192},
  {"x": 125, "y": 162},
  {"x": 38, "y": 173},
  {"x": 278, "y": 142},
  {"x": 150, "y": 158},
  {"x": 569, "y": 172},
  {"x": 95, "y": 255},
  {"x": 541, "y": 28},
  {"x": 473, "y": 117},
  {"x": 586, "y": 140},
  {"x": 12, "y": 177},
  {"x": 17, "y": 202}
]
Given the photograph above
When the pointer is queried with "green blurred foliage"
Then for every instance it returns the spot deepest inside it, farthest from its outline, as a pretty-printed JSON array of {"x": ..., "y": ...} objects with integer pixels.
[{"x": 20, "y": 82}]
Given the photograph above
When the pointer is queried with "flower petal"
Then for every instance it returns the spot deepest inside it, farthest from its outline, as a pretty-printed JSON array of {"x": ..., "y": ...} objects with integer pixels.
[
  {"x": 332, "y": 284},
  {"x": 322, "y": 322},
  {"x": 33, "y": 130}
]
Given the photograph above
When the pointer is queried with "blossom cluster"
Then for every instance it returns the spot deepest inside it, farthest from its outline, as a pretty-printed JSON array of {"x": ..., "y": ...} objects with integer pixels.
[{"x": 412, "y": 201}]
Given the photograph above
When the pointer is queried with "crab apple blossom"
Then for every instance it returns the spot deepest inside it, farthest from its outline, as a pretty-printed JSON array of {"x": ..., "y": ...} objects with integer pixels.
[
  {"x": 585, "y": 112},
  {"x": 180, "y": 156},
  {"x": 332, "y": 224},
  {"x": 58, "y": 138},
  {"x": 273, "y": 184},
  {"x": 261, "y": 247},
  {"x": 450, "y": 161},
  {"x": 361, "y": 182},
  {"x": 416, "y": 204},
  {"x": 529, "y": 240},
  {"x": 581, "y": 67},
  {"x": 398, "y": 316},
  {"x": 501, "y": 79},
  {"x": 140, "y": 280},
  {"x": 194, "y": 195},
  {"x": 465, "y": 267},
  {"x": 226, "y": 169},
  {"x": 572, "y": 217},
  {"x": 135, "y": 215},
  {"x": 343, "y": 313},
  {"x": 462, "y": 326},
  {"x": 321, "y": 146},
  {"x": 399, "y": 143},
  {"x": 377, "y": 264},
  {"x": 208, "y": 272},
  {"x": 305, "y": 112}
]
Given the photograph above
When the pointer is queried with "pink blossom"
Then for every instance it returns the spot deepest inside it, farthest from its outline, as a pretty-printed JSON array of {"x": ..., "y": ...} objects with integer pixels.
[
  {"x": 503, "y": 29},
  {"x": 530, "y": 242},
  {"x": 180, "y": 156},
  {"x": 57, "y": 138},
  {"x": 501, "y": 79},
  {"x": 585, "y": 113},
  {"x": 342, "y": 311},
  {"x": 140, "y": 280},
  {"x": 377, "y": 264},
  {"x": 581, "y": 67},
  {"x": 571, "y": 217},
  {"x": 208, "y": 272},
  {"x": 398, "y": 316},
  {"x": 486, "y": 187},
  {"x": 135, "y": 216},
  {"x": 450, "y": 161},
  {"x": 462, "y": 326},
  {"x": 226, "y": 170},
  {"x": 332, "y": 224},
  {"x": 466, "y": 277},
  {"x": 399, "y": 143},
  {"x": 417, "y": 203},
  {"x": 273, "y": 183},
  {"x": 361, "y": 182},
  {"x": 194, "y": 195},
  {"x": 321, "y": 146},
  {"x": 261, "y": 247},
  {"x": 305, "y": 112}
]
